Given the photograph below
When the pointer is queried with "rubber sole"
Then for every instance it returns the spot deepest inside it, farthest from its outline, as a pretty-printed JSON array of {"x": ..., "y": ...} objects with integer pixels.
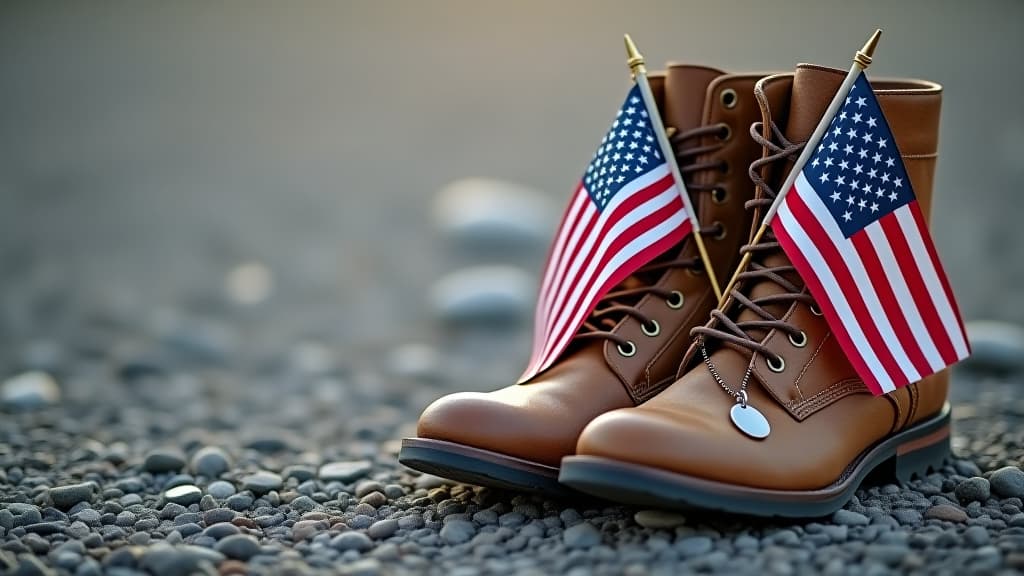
[
  {"x": 481, "y": 467},
  {"x": 902, "y": 456}
]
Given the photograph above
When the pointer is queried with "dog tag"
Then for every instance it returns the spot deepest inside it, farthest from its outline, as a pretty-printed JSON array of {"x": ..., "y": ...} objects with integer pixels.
[{"x": 750, "y": 421}]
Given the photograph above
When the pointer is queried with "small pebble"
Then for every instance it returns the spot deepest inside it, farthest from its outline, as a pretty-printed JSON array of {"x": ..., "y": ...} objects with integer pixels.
[{"x": 184, "y": 495}]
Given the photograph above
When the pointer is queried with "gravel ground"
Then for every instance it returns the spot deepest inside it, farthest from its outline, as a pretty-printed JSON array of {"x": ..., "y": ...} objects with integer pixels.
[{"x": 242, "y": 432}]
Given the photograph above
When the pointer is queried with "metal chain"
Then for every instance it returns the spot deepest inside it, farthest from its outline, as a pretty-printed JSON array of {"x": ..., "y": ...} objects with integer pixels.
[{"x": 740, "y": 396}]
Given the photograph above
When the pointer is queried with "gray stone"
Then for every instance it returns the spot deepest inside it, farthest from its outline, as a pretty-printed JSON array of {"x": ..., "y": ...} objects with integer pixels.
[
  {"x": 220, "y": 489},
  {"x": 975, "y": 489},
  {"x": 184, "y": 495},
  {"x": 262, "y": 482},
  {"x": 221, "y": 530},
  {"x": 694, "y": 546},
  {"x": 239, "y": 502},
  {"x": 907, "y": 517},
  {"x": 458, "y": 531},
  {"x": 351, "y": 541},
  {"x": 238, "y": 546},
  {"x": 846, "y": 517},
  {"x": 29, "y": 390},
  {"x": 976, "y": 536},
  {"x": 210, "y": 461},
  {"x": 1008, "y": 482},
  {"x": 349, "y": 471},
  {"x": 162, "y": 460},
  {"x": 382, "y": 529},
  {"x": 657, "y": 519},
  {"x": 582, "y": 535},
  {"x": 181, "y": 560},
  {"x": 64, "y": 497},
  {"x": 299, "y": 472},
  {"x": 995, "y": 346},
  {"x": 946, "y": 512},
  {"x": 217, "y": 515},
  {"x": 483, "y": 294},
  {"x": 304, "y": 504}
]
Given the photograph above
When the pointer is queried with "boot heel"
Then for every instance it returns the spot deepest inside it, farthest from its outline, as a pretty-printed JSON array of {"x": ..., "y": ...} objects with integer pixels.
[{"x": 916, "y": 457}]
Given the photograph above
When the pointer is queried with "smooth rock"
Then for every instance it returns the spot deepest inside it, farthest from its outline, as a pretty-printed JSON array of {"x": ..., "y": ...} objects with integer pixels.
[
  {"x": 351, "y": 541},
  {"x": 163, "y": 460},
  {"x": 496, "y": 215},
  {"x": 657, "y": 519},
  {"x": 946, "y": 512},
  {"x": 262, "y": 482},
  {"x": 458, "y": 531},
  {"x": 210, "y": 461},
  {"x": 846, "y": 517},
  {"x": 184, "y": 495},
  {"x": 1008, "y": 482},
  {"x": 382, "y": 529},
  {"x": 995, "y": 346},
  {"x": 582, "y": 535},
  {"x": 694, "y": 546},
  {"x": 238, "y": 546},
  {"x": 348, "y": 471},
  {"x": 220, "y": 489},
  {"x": 29, "y": 390},
  {"x": 64, "y": 497},
  {"x": 484, "y": 294},
  {"x": 180, "y": 560},
  {"x": 975, "y": 489}
]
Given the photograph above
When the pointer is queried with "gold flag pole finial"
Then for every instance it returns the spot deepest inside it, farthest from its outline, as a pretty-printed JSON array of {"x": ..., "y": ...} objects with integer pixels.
[
  {"x": 634, "y": 59},
  {"x": 863, "y": 56}
]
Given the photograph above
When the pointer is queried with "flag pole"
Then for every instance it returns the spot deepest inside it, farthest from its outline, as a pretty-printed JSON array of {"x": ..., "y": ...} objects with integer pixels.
[
  {"x": 861, "y": 61},
  {"x": 636, "y": 63}
]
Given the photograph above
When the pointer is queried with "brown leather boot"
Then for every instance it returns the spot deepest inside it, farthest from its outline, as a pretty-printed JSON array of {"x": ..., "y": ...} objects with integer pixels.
[
  {"x": 629, "y": 348},
  {"x": 681, "y": 449}
]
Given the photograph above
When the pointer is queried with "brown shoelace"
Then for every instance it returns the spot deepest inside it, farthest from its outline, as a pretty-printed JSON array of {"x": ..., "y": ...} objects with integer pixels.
[
  {"x": 621, "y": 302},
  {"x": 736, "y": 334}
]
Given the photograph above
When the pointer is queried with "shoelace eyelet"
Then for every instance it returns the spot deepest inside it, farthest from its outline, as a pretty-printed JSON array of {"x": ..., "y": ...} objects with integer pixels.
[
  {"x": 719, "y": 195},
  {"x": 800, "y": 340},
  {"x": 729, "y": 98},
  {"x": 653, "y": 331},
  {"x": 726, "y": 133},
  {"x": 675, "y": 300},
  {"x": 815, "y": 310},
  {"x": 630, "y": 351},
  {"x": 722, "y": 232},
  {"x": 775, "y": 363}
]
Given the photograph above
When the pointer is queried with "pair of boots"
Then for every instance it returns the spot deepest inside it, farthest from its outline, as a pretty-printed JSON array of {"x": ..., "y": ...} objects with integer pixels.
[{"x": 634, "y": 411}]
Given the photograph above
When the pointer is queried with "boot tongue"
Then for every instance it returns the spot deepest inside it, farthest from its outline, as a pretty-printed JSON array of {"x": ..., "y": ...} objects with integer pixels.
[
  {"x": 686, "y": 89},
  {"x": 812, "y": 91}
]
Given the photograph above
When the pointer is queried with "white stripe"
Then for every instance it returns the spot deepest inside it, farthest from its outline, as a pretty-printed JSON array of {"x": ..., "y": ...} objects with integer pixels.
[
  {"x": 569, "y": 301},
  {"x": 585, "y": 210},
  {"x": 565, "y": 235},
  {"x": 901, "y": 291},
  {"x": 863, "y": 283},
  {"x": 828, "y": 281},
  {"x": 652, "y": 236},
  {"x": 931, "y": 280}
]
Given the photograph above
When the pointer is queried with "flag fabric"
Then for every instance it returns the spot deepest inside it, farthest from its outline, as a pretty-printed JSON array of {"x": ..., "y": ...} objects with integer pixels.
[
  {"x": 853, "y": 229},
  {"x": 626, "y": 210}
]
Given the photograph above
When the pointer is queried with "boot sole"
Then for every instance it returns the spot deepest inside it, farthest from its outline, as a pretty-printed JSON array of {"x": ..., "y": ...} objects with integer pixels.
[
  {"x": 910, "y": 453},
  {"x": 481, "y": 467}
]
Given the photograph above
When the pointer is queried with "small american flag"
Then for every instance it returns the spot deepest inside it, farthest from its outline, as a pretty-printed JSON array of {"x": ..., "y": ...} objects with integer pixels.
[
  {"x": 626, "y": 211},
  {"x": 854, "y": 231}
]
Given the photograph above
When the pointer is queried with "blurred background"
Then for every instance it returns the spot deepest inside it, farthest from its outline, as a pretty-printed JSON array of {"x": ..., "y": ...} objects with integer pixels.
[{"x": 166, "y": 159}]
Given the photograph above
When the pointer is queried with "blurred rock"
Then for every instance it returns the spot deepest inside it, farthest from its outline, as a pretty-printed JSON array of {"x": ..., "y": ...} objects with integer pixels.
[
  {"x": 493, "y": 215},
  {"x": 29, "y": 390},
  {"x": 995, "y": 346},
  {"x": 484, "y": 294},
  {"x": 249, "y": 283},
  {"x": 415, "y": 361}
]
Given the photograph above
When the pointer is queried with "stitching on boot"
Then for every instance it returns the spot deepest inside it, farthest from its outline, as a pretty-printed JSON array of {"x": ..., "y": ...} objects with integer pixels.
[
  {"x": 827, "y": 396},
  {"x": 807, "y": 366}
]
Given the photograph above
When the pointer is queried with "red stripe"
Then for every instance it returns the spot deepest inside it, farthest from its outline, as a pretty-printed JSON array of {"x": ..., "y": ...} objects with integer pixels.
[
  {"x": 646, "y": 223},
  {"x": 922, "y": 226},
  {"x": 810, "y": 278},
  {"x": 559, "y": 273},
  {"x": 641, "y": 258},
  {"x": 639, "y": 197},
  {"x": 839, "y": 269},
  {"x": 915, "y": 282},
  {"x": 873, "y": 266}
]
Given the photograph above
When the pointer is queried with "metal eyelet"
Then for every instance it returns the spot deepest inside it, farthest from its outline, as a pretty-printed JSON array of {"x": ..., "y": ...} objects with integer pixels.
[
  {"x": 723, "y": 167},
  {"x": 654, "y": 330},
  {"x": 630, "y": 351},
  {"x": 775, "y": 363},
  {"x": 719, "y": 195},
  {"x": 729, "y": 98},
  {"x": 726, "y": 133},
  {"x": 695, "y": 271},
  {"x": 799, "y": 341},
  {"x": 675, "y": 300},
  {"x": 816, "y": 311},
  {"x": 722, "y": 232}
]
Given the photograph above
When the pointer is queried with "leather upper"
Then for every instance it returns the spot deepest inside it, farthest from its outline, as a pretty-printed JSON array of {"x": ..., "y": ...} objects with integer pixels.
[
  {"x": 541, "y": 419},
  {"x": 821, "y": 414}
]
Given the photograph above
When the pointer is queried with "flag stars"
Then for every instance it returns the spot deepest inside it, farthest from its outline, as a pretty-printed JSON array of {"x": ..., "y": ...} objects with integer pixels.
[
  {"x": 882, "y": 142},
  {"x": 885, "y": 177},
  {"x": 861, "y": 102},
  {"x": 859, "y": 169},
  {"x": 879, "y": 192},
  {"x": 835, "y": 196},
  {"x": 873, "y": 122},
  {"x": 862, "y": 204},
  {"x": 893, "y": 196},
  {"x": 824, "y": 177},
  {"x": 840, "y": 180},
  {"x": 837, "y": 131},
  {"x": 851, "y": 134},
  {"x": 862, "y": 153},
  {"x": 889, "y": 162},
  {"x": 898, "y": 182},
  {"x": 877, "y": 157},
  {"x": 828, "y": 161},
  {"x": 872, "y": 173},
  {"x": 848, "y": 149},
  {"x": 850, "y": 199},
  {"x": 631, "y": 110},
  {"x": 866, "y": 137},
  {"x": 874, "y": 207},
  {"x": 815, "y": 162},
  {"x": 847, "y": 216},
  {"x": 627, "y": 122},
  {"x": 856, "y": 118},
  {"x": 833, "y": 146}
]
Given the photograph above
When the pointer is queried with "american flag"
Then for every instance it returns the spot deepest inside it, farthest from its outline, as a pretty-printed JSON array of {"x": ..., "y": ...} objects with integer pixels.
[
  {"x": 854, "y": 231},
  {"x": 626, "y": 211}
]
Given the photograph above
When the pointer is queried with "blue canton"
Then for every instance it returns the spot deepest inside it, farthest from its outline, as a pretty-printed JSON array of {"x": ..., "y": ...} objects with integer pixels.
[
  {"x": 628, "y": 151},
  {"x": 857, "y": 170}
]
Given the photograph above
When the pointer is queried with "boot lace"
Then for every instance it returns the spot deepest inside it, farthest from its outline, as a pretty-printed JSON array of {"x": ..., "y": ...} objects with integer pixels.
[
  {"x": 622, "y": 301},
  {"x": 746, "y": 335}
]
